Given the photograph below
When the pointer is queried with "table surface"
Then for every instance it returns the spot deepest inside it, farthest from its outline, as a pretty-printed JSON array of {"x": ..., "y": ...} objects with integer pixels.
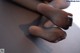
[{"x": 14, "y": 39}]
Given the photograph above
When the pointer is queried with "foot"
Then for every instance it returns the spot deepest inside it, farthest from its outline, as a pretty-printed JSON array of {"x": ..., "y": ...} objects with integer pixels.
[
  {"x": 57, "y": 16},
  {"x": 54, "y": 34}
]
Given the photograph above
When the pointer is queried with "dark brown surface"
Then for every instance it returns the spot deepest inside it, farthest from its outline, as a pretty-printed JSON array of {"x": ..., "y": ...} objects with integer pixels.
[{"x": 14, "y": 39}]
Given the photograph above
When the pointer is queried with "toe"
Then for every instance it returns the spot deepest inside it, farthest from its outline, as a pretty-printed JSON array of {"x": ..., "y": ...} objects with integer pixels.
[{"x": 51, "y": 35}]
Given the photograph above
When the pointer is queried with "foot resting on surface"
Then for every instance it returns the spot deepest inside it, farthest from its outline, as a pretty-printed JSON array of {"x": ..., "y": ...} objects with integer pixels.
[
  {"x": 52, "y": 34},
  {"x": 54, "y": 14},
  {"x": 57, "y": 16}
]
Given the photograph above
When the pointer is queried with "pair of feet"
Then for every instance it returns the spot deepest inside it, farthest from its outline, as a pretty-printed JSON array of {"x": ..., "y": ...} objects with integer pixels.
[{"x": 58, "y": 18}]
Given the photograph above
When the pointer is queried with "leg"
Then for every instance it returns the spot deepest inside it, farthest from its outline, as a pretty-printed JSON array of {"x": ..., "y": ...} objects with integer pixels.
[
  {"x": 52, "y": 34},
  {"x": 60, "y": 4}
]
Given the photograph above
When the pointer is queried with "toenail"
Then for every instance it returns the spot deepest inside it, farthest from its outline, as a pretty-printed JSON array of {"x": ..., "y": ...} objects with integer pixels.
[{"x": 70, "y": 21}]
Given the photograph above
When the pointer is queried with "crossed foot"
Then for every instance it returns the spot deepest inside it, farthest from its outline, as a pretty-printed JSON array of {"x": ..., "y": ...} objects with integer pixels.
[{"x": 58, "y": 18}]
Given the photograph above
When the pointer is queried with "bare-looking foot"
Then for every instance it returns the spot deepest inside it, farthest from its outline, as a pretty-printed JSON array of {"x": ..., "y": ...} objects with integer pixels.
[
  {"x": 54, "y": 34},
  {"x": 57, "y": 16}
]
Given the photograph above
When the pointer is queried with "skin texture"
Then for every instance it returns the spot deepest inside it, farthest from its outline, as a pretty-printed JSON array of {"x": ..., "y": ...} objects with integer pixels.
[
  {"x": 55, "y": 15},
  {"x": 61, "y": 4},
  {"x": 54, "y": 34},
  {"x": 32, "y": 4}
]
